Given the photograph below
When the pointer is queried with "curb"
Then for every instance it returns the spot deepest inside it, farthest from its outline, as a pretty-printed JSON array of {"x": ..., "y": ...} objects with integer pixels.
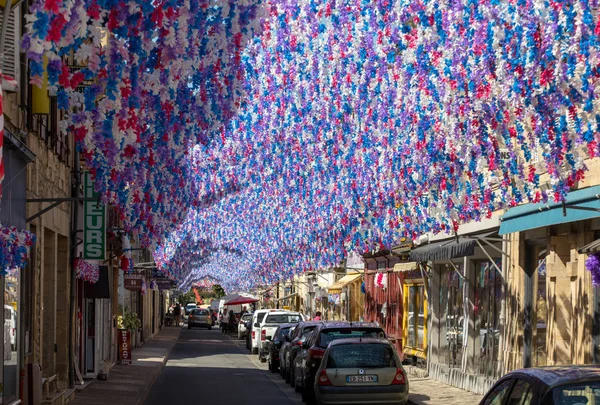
[{"x": 144, "y": 396}]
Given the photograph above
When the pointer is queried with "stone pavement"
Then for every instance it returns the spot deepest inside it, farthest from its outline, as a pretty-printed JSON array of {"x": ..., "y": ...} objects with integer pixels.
[
  {"x": 431, "y": 392},
  {"x": 129, "y": 384}
]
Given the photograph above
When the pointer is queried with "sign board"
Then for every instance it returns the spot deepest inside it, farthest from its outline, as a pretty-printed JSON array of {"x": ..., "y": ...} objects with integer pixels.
[
  {"x": 164, "y": 284},
  {"x": 133, "y": 282},
  {"x": 125, "y": 346},
  {"x": 94, "y": 222}
]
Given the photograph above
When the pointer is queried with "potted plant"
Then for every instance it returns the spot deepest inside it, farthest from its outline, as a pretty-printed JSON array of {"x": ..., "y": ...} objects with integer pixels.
[{"x": 129, "y": 320}]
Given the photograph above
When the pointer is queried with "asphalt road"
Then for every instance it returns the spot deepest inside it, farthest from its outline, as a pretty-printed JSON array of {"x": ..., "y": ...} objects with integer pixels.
[{"x": 209, "y": 368}]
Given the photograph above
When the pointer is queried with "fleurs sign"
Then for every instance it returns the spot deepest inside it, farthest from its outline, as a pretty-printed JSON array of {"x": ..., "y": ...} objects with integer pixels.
[
  {"x": 133, "y": 282},
  {"x": 94, "y": 222}
]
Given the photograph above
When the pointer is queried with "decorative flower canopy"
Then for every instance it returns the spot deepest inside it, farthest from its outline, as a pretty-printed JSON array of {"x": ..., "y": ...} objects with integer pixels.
[{"x": 290, "y": 131}]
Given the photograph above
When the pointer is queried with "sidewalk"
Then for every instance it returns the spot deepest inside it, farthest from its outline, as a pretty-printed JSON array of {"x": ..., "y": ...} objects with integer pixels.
[
  {"x": 431, "y": 392},
  {"x": 129, "y": 384}
]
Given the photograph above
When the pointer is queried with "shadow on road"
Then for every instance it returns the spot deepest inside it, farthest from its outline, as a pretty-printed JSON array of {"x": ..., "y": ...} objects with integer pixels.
[{"x": 209, "y": 368}]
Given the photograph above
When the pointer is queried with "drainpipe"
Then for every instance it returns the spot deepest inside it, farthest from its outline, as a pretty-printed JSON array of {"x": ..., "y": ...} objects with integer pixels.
[
  {"x": 74, "y": 223},
  {"x": 502, "y": 318}
]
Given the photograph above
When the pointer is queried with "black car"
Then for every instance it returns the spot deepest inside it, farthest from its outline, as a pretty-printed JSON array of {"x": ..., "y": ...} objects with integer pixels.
[
  {"x": 308, "y": 360},
  {"x": 568, "y": 385},
  {"x": 274, "y": 345},
  {"x": 292, "y": 346}
]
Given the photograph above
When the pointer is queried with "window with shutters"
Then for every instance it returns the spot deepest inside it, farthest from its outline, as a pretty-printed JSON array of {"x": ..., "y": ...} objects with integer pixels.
[{"x": 11, "y": 47}]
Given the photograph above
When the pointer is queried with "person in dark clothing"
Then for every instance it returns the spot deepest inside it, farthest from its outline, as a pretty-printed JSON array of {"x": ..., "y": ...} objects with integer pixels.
[
  {"x": 231, "y": 321},
  {"x": 177, "y": 313}
]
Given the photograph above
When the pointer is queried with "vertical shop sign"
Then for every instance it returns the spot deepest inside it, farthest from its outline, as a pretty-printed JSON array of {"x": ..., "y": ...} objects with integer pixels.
[
  {"x": 125, "y": 346},
  {"x": 94, "y": 222}
]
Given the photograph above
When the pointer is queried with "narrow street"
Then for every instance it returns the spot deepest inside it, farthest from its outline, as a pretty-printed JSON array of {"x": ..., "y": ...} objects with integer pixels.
[{"x": 216, "y": 369}]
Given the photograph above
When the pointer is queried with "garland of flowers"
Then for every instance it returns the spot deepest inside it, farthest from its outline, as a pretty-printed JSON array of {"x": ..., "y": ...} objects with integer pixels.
[
  {"x": 14, "y": 247},
  {"x": 87, "y": 271},
  {"x": 593, "y": 265}
]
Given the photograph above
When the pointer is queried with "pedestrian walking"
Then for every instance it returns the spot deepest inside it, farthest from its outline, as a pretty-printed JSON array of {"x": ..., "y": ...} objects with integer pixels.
[
  {"x": 177, "y": 313},
  {"x": 224, "y": 322},
  {"x": 231, "y": 321},
  {"x": 318, "y": 316}
]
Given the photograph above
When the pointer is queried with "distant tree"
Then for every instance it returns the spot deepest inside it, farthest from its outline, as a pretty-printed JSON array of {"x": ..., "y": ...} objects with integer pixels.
[
  {"x": 187, "y": 297},
  {"x": 218, "y": 290}
]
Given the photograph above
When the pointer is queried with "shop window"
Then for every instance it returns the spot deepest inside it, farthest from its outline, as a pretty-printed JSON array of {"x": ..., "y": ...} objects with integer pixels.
[
  {"x": 488, "y": 295},
  {"x": 541, "y": 312},
  {"x": 416, "y": 317},
  {"x": 10, "y": 359},
  {"x": 453, "y": 287}
]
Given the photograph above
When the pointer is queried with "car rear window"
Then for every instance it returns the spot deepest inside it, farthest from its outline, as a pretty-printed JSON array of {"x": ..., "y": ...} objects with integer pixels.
[
  {"x": 259, "y": 317},
  {"x": 329, "y": 335},
  {"x": 283, "y": 332},
  {"x": 283, "y": 318},
  {"x": 574, "y": 394},
  {"x": 200, "y": 312},
  {"x": 308, "y": 330},
  {"x": 361, "y": 356}
]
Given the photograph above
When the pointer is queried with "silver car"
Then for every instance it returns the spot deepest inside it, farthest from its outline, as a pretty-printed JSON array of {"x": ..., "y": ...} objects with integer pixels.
[{"x": 361, "y": 371}]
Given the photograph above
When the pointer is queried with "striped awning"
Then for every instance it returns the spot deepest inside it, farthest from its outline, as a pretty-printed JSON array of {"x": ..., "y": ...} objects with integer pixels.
[
  {"x": 592, "y": 247},
  {"x": 405, "y": 267},
  {"x": 336, "y": 287}
]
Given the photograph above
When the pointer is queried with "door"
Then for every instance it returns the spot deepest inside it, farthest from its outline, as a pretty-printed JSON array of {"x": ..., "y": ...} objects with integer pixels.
[{"x": 90, "y": 337}]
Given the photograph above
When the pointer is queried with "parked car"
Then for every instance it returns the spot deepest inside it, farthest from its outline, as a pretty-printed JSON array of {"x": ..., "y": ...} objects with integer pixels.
[
  {"x": 200, "y": 317},
  {"x": 270, "y": 324},
  {"x": 273, "y": 344},
  {"x": 257, "y": 319},
  {"x": 361, "y": 371},
  {"x": 309, "y": 358},
  {"x": 242, "y": 325},
  {"x": 189, "y": 307},
  {"x": 568, "y": 385},
  {"x": 291, "y": 347}
]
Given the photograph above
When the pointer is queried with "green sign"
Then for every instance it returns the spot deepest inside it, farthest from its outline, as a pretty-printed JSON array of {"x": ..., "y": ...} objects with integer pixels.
[{"x": 94, "y": 222}]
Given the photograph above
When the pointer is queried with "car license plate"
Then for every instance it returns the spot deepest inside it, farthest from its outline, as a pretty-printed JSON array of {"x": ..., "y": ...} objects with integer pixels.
[{"x": 361, "y": 378}]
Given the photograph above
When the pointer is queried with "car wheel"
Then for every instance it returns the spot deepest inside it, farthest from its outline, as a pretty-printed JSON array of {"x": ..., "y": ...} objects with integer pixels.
[
  {"x": 288, "y": 376},
  {"x": 297, "y": 387}
]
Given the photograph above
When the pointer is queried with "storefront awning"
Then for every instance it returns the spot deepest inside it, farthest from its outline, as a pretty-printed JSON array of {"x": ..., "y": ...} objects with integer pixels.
[
  {"x": 336, "y": 287},
  {"x": 447, "y": 249},
  {"x": 592, "y": 247},
  {"x": 578, "y": 205},
  {"x": 405, "y": 267}
]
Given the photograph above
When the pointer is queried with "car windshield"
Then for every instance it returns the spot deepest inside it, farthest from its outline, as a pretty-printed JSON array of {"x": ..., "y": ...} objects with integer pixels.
[
  {"x": 246, "y": 317},
  {"x": 361, "y": 356},
  {"x": 283, "y": 318},
  {"x": 200, "y": 312},
  {"x": 574, "y": 394},
  {"x": 329, "y": 335}
]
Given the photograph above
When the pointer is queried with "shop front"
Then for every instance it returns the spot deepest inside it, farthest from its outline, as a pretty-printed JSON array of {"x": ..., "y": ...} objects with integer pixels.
[
  {"x": 383, "y": 295},
  {"x": 16, "y": 280},
  {"x": 457, "y": 290},
  {"x": 340, "y": 296},
  {"x": 556, "y": 321},
  {"x": 415, "y": 312}
]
